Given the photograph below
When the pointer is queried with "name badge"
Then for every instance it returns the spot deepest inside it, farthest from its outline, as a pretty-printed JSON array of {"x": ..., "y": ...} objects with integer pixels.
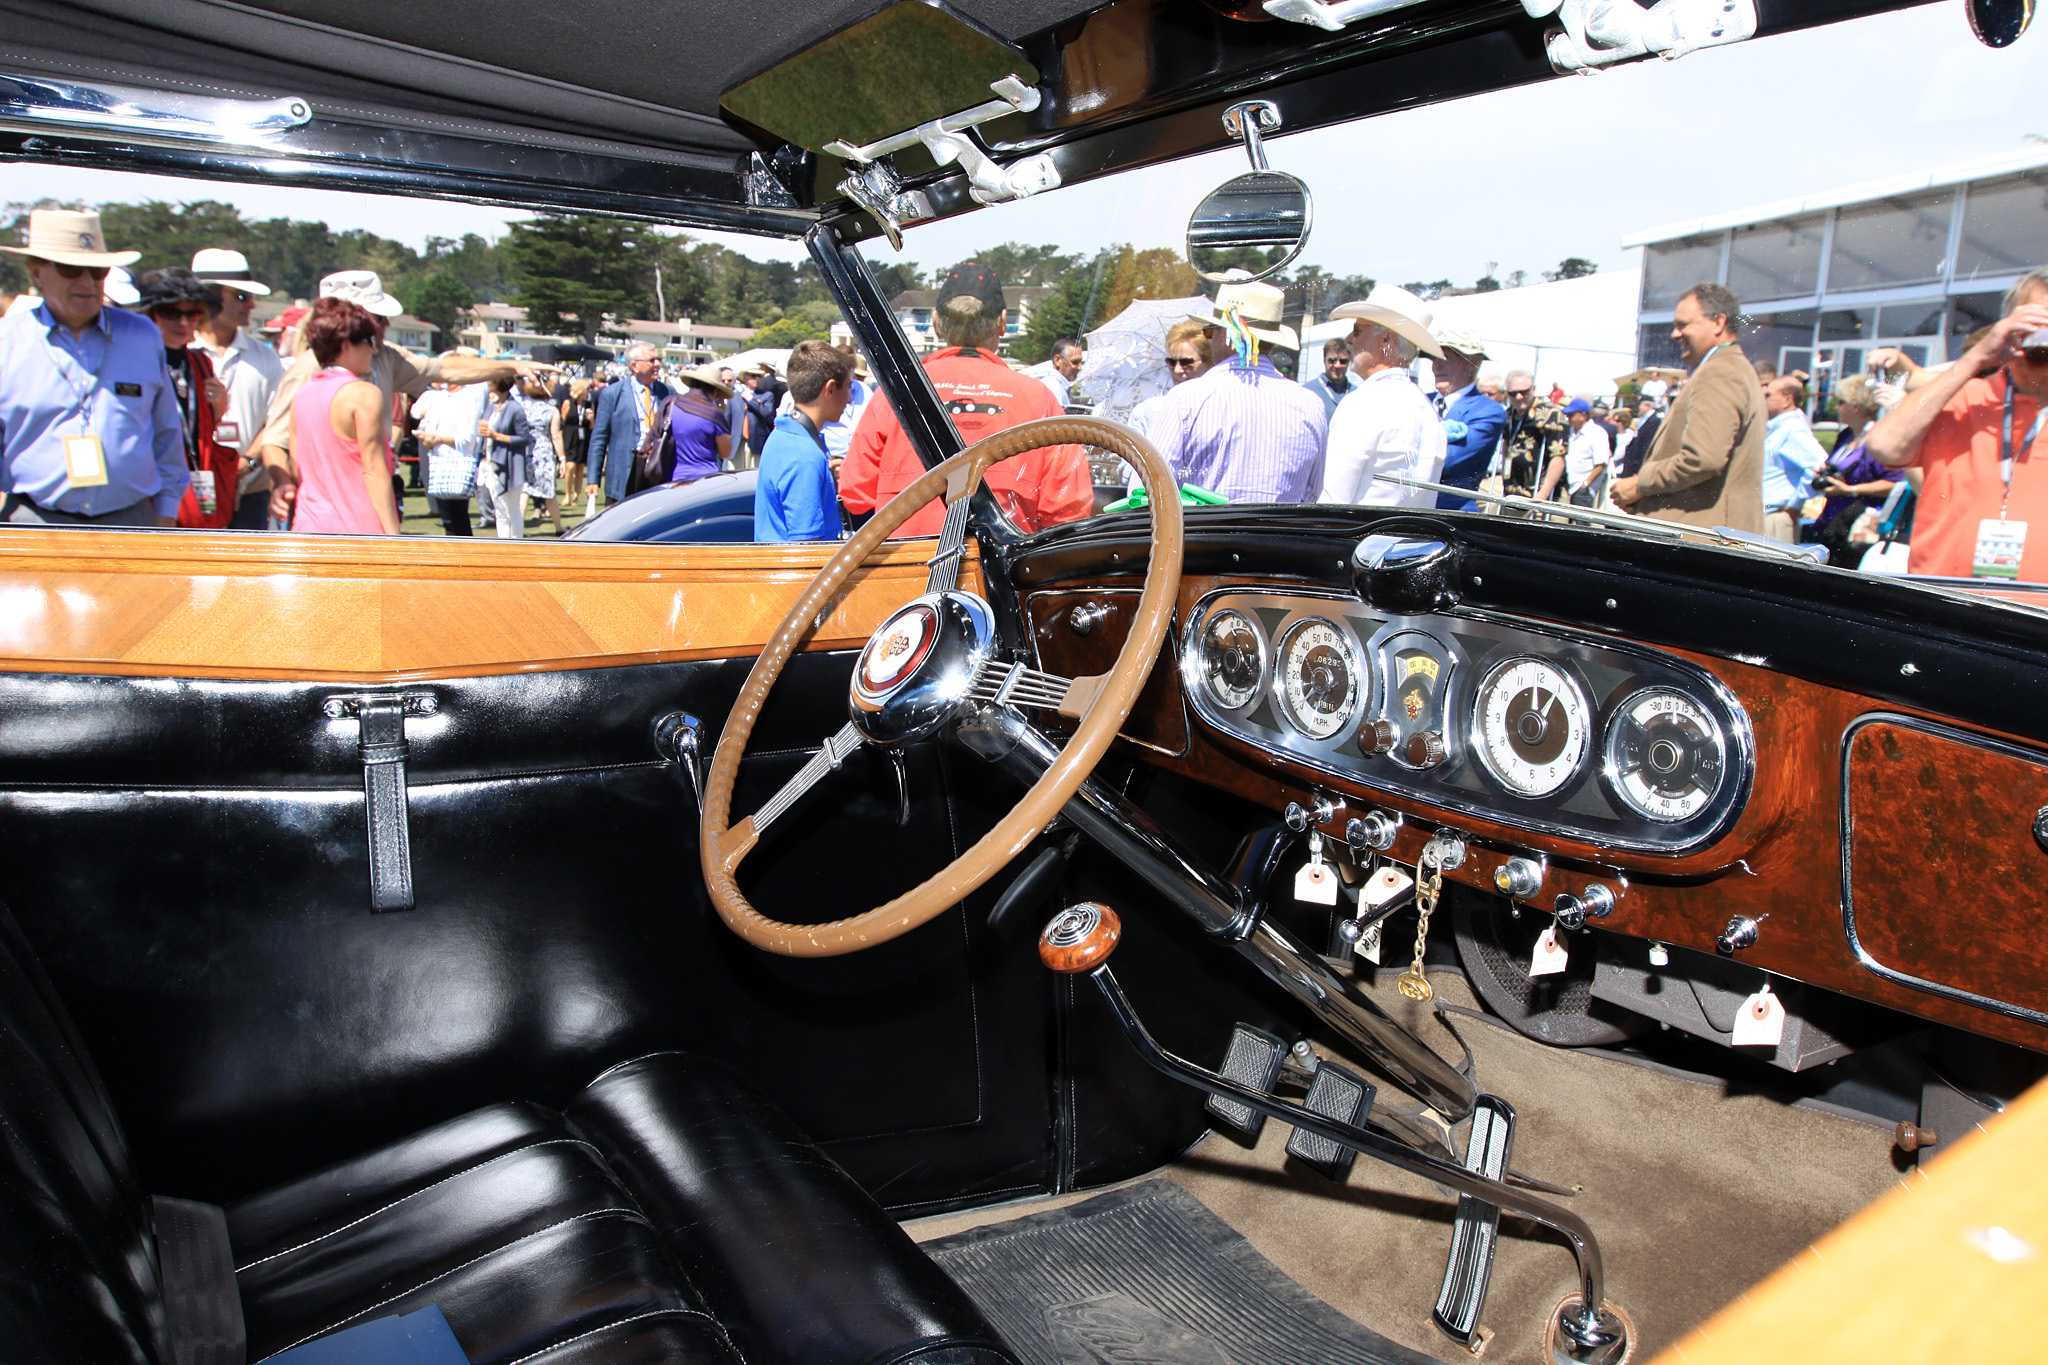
[
  {"x": 85, "y": 462},
  {"x": 228, "y": 432},
  {"x": 2000, "y": 546},
  {"x": 127, "y": 390},
  {"x": 203, "y": 490}
]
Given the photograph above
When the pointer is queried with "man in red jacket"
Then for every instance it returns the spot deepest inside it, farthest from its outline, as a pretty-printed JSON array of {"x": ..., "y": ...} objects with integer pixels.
[{"x": 983, "y": 395}]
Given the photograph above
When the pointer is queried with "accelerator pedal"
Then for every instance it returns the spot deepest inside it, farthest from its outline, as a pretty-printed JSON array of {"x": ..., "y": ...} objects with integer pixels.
[
  {"x": 1476, "y": 1230},
  {"x": 1253, "y": 1061},
  {"x": 1339, "y": 1094}
]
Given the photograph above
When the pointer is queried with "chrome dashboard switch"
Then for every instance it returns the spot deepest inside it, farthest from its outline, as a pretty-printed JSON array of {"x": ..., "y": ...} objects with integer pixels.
[
  {"x": 1595, "y": 902},
  {"x": 1519, "y": 878},
  {"x": 1373, "y": 830}
]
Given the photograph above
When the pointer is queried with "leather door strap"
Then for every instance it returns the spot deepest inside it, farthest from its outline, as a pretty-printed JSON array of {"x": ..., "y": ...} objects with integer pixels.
[
  {"x": 383, "y": 749},
  {"x": 202, "y": 1306}
]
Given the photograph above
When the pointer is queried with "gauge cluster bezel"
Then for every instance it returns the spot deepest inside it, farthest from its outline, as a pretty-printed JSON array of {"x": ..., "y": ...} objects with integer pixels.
[
  {"x": 1592, "y": 742},
  {"x": 1194, "y": 670},
  {"x": 1354, "y": 662},
  {"x": 1471, "y": 646}
]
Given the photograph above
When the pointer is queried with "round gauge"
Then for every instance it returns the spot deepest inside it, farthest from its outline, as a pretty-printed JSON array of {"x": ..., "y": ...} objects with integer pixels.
[
  {"x": 1232, "y": 659},
  {"x": 1665, "y": 755},
  {"x": 1319, "y": 677},
  {"x": 1534, "y": 726}
]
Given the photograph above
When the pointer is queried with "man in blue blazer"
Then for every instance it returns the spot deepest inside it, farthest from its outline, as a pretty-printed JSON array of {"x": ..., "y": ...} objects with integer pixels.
[
  {"x": 623, "y": 411},
  {"x": 1472, "y": 421}
]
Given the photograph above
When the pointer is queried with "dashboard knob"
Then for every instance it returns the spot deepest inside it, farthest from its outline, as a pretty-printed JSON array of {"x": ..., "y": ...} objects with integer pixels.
[
  {"x": 1425, "y": 749},
  {"x": 1377, "y": 736},
  {"x": 1080, "y": 938},
  {"x": 1519, "y": 878},
  {"x": 1911, "y": 1137},
  {"x": 1595, "y": 902},
  {"x": 1373, "y": 830},
  {"x": 1740, "y": 933}
]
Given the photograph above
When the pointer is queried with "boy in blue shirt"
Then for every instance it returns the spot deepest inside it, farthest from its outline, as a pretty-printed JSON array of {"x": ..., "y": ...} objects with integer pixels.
[{"x": 796, "y": 497}]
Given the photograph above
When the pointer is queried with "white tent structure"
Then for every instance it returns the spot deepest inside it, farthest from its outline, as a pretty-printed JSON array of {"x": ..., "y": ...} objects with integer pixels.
[{"x": 1577, "y": 334}]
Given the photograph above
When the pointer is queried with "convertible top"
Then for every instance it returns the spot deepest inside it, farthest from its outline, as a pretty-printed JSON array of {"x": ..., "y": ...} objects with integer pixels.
[{"x": 609, "y": 106}]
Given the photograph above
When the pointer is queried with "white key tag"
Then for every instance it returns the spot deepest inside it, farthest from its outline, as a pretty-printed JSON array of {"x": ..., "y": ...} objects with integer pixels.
[
  {"x": 1368, "y": 945},
  {"x": 1386, "y": 886},
  {"x": 1550, "y": 956},
  {"x": 1760, "y": 1021},
  {"x": 85, "y": 461},
  {"x": 1315, "y": 882}
]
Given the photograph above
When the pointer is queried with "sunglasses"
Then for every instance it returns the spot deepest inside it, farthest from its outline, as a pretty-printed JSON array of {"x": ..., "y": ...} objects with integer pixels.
[
  {"x": 1173, "y": 363},
  {"x": 2036, "y": 355},
  {"x": 183, "y": 314},
  {"x": 72, "y": 272},
  {"x": 1521, "y": 393}
]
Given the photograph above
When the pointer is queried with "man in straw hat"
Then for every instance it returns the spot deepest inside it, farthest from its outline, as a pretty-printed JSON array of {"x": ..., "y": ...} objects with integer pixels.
[
  {"x": 89, "y": 426},
  {"x": 1386, "y": 426},
  {"x": 1243, "y": 429},
  {"x": 248, "y": 366},
  {"x": 392, "y": 370},
  {"x": 1472, "y": 421}
]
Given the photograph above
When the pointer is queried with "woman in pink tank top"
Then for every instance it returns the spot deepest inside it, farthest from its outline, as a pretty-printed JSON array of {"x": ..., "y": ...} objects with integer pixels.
[{"x": 338, "y": 424}]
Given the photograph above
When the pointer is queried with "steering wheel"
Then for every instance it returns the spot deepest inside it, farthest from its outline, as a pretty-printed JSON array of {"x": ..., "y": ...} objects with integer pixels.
[{"x": 930, "y": 664}]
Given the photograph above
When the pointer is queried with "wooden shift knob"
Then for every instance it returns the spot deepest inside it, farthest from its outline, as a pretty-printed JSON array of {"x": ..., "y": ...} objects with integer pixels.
[{"x": 1080, "y": 938}]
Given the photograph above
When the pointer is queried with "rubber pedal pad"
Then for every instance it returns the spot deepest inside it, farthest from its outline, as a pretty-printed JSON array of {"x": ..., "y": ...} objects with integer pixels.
[
  {"x": 1335, "y": 1093},
  {"x": 1475, "y": 1231},
  {"x": 1253, "y": 1061}
]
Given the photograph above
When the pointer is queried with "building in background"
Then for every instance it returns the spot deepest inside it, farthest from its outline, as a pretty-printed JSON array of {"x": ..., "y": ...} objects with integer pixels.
[
  {"x": 500, "y": 329},
  {"x": 913, "y": 310},
  {"x": 1918, "y": 262}
]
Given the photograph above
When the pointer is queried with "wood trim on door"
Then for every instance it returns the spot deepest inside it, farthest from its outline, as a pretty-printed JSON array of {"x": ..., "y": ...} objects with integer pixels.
[{"x": 375, "y": 609}]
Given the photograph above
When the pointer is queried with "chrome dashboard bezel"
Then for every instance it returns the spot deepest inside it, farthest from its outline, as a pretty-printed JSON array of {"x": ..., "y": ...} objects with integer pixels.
[
  {"x": 1475, "y": 722},
  {"x": 1620, "y": 829},
  {"x": 1276, "y": 684},
  {"x": 1606, "y": 763}
]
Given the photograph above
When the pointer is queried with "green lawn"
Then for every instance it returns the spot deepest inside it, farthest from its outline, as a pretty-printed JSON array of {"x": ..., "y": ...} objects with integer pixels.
[{"x": 416, "y": 518}]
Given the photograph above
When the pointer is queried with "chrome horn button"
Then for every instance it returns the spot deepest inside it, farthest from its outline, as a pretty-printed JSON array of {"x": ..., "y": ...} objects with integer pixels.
[{"x": 914, "y": 674}]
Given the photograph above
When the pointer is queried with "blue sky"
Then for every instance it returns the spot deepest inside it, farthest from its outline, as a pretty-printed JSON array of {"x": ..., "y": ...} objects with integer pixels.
[{"x": 1521, "y": 178}]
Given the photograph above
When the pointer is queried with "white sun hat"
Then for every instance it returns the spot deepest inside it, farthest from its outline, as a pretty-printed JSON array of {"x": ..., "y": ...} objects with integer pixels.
[
  {"x": 362, "y": 287},
  {"x": 1400, "y": 312},
  {"x": 1463, "y": 340},
  {"x": 1258, "y": 307},
  {"x": 218, "y": 265}
]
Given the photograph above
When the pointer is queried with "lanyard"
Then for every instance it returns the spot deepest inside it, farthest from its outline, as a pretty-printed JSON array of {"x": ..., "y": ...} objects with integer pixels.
[
  {"x": 804, "y": 418},
  {"x": 63, "y": 362},
  {"x": 2006, "y": 456}
]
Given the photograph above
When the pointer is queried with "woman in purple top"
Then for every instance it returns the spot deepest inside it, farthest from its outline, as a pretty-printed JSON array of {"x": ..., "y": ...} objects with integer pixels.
[
  {"x": 697, "y": 426},
  {"x": 1852, "y": 478}
]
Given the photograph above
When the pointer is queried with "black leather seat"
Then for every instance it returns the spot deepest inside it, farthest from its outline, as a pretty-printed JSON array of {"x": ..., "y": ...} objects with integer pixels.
[{"x": 669, "y": 1215}]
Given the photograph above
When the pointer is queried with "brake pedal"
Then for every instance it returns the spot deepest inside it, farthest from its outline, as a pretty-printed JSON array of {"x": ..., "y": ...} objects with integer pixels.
[
  {"x": 1253, "y": 1061},
  {"x": 1339, "y": 1094},
  {"x": 1476, "y": 1230}
]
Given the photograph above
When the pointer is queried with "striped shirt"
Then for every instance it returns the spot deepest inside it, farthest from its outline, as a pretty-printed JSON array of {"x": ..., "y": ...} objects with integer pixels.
[{"x": 1252, "y": 435}]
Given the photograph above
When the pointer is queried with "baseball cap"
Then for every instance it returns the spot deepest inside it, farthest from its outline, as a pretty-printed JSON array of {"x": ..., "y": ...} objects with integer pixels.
[
  {"x": 1579, "y": 405},
  {"x": 975, "y": 280}
]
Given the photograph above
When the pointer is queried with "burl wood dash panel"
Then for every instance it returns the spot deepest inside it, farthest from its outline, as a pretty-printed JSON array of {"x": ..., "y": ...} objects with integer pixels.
[{"x": 1947, "y": 884}]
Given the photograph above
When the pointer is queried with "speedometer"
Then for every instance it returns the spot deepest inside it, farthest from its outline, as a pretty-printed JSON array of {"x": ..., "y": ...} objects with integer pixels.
[
  {"x": 1232, "y": 659},
  {"x": 1665, "y": 755},
  {"x": 1534, "y": 726},
  {"x": 1319, "y": 677}
]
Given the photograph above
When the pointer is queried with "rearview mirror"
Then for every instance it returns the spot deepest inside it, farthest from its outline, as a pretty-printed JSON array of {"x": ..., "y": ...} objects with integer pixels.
[
  {"x": 1999, "y": 23},
  {"x": 1249, "y": 227}
]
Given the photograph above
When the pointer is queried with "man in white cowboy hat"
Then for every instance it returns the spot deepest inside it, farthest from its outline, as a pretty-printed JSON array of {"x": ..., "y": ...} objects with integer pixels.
[
  {"x": 1243, "y": 429},
  {"x": 1385, "y": 426},
  {"x": 90, "y": 431},
  {"x": 1472, "y": 421},
  {"x": 248, "y": 366},
  {"x": 392, "y": 370}
]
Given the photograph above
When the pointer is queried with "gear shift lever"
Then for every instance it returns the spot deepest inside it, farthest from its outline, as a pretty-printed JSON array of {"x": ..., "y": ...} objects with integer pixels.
[{"x": 1080, "y": 938}]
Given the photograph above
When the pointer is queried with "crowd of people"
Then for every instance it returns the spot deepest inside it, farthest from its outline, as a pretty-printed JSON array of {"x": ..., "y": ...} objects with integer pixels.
[{"x": 168, "y": 411}]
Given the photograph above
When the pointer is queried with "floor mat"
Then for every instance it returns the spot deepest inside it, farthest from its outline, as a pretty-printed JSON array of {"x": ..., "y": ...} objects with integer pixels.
[{"x": 1148, "y": 1274}]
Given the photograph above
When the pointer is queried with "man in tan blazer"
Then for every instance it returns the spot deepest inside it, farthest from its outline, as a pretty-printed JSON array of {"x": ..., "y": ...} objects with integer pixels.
[{"x": 1706, "y": 468}]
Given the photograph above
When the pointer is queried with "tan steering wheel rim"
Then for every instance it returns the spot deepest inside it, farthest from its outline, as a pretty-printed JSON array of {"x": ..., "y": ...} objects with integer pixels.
[{"x": 725, "y": 844}]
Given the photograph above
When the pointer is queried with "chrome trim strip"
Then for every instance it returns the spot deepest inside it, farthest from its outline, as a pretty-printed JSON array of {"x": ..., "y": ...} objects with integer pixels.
[
  {"x": 1399, "y": 781},
  {"x": 1863, "y": 954}
]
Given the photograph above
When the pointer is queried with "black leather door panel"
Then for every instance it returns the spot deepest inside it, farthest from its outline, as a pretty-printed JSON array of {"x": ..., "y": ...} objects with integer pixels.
[{"x": 189, "y": 858}]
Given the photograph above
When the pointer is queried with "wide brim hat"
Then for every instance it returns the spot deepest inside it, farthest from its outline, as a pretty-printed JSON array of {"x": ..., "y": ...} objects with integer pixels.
[
  {"x": 70, "y": 237},
  {"x": 707, "y": 375},
  {"x": 365, "y": 288},
  {"x": 218, "y": 265},
  {"x": 1400, "y": 312},
  {"x": 1258, "y": 308},
  {"x": 1462, "y": 340}
]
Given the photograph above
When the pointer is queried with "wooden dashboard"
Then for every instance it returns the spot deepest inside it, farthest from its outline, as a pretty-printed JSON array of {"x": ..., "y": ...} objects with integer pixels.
[{"x": 1940, "y": 875}]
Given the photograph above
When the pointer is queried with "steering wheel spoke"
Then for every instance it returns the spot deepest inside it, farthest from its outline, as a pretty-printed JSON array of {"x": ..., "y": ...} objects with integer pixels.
[
  {"x": 1021, "y": 685},
  {"x": 827, "y": 759}
]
